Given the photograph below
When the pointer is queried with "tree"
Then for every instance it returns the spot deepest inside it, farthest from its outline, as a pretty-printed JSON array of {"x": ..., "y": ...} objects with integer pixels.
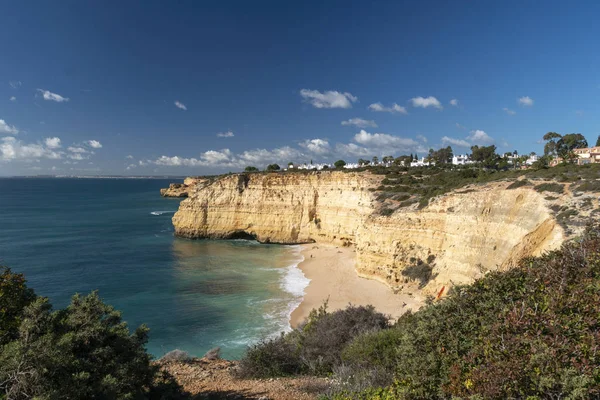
[
  {"x": 387, "y": 159},
  {"x": 84, "y": 351},
  {"x": 14, "y": 297},
  {"x": 598, "y": 141},
  {"x": 550, "y": 146},
  {"x": 486, "y": 155},
  {"x": 375, "y": 160},
  {"x": 569, "y": 142},
  {"x": 291, "y": 164},
  {"x": 339, "y": 164},
  {"x": 441, "y": 156},
  {"x": 403, "y": 160},
  {"x": 362, "y": 162},
  {"x": 273, "y": 167},
  {"x": 250, "y": 169}
]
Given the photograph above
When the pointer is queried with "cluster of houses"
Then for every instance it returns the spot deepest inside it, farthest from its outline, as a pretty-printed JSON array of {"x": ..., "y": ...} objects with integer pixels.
[
  {"x": 460, "y": 159},
  {"x": 587, "y": 155}
]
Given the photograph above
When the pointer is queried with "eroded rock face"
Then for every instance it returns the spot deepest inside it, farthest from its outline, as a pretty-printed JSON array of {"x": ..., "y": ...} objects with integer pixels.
[
  {"x": 460, "y": 234},
  {"x": 181, "y": 189}
]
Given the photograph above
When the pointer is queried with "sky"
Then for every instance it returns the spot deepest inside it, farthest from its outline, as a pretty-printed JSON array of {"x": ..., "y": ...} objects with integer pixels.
[{"x": 192, "y": 87}]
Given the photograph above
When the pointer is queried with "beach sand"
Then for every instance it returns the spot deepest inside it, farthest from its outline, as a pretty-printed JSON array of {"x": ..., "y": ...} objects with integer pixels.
[{"x": 332, "y": 275}]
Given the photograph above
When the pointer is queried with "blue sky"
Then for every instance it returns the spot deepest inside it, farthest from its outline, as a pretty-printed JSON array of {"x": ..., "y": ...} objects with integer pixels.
[{"x": 91, "y": 88}]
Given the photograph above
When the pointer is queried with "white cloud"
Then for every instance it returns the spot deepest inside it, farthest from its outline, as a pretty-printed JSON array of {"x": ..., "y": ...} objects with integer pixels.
[
  {"x": 95, "y": 144},
  {"x": 180, "y": 105},
  {"x": 48, "y": 95},
  {"x": 13, "y": 98},
  {"x": 316, "y": 146},
  {"x": 476, "y": 137},
  {"x": 73, "y": 149},
  {"x": 509, "y": 111},
  {"x": 379, "y": 140},
  {"x": 129, "y": 157},
  {"x": 281, "y": 155},
  {"x": 52, "y": 143},
  {"x": 425, "y": 102},
  {"x": 525, "y": 101},
  {"x": 352, "y": 149},
  {"x": 422, "y": 138},
  {"x": 211, "y": 158},
  {"x": 131, "y": 166},
  {"x": 328, "y": 99},
  {"x": 360, "y": 123},
  {"x": 479, "y": 137},
  {"x": 459, "y": 126},
  {"x": 77, "y": 156},
  {"x": 6, "y": 128},
  {"x": 12, "y": 149},
  {"x": 225, "y": 134},
  {"x": 455, "y": 142},
  {"x": 454, "y": 102},
  {"x": 15, "y": 84},
  {"x": 394, "y": 109}
]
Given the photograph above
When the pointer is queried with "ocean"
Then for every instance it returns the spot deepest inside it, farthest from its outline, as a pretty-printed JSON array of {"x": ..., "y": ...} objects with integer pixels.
[{"x": 115, "y": 236}]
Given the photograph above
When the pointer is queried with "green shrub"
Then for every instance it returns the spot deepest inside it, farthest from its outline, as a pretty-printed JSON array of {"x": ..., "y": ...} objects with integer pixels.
[
  {"x": 14, "y": 297},
  {"x": 550, "y": 187},
  {"x": 386, "y": 212},
  {"x": 588, "y": 186},
  {"x": 316, "y": 347},
  {"x": 271, "y": 358},
  {"x": 326, "y": 334},
  {"x": 84, "y": 351},
  {"x": 518, "y": 184}
]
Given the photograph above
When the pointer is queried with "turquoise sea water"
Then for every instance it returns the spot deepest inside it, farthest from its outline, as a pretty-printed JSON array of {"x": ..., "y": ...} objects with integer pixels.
[{"x": 115, "y": 235}]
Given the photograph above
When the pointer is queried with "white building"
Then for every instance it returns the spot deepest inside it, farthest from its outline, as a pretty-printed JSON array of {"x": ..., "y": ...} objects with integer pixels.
[
  {"x": 351, "y": 166},
  {"x": 461, "y": 159},
  {"x": 317, "y": 167},
  {"x": 421, "y": 163},
  {"x": 532, "y": 158}
]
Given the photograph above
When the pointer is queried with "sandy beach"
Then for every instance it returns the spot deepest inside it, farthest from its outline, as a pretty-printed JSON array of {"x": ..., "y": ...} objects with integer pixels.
[{"x": 332, "y": 275}]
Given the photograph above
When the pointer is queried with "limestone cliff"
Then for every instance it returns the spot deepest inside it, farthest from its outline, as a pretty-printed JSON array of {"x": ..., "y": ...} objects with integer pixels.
[
  {"x": 460, "y": 234},
  {"x": 181, "y": 189}
]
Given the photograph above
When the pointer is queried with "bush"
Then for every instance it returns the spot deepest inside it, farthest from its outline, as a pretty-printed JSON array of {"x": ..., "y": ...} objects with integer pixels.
[
  {"x": 316, "y": 347},
  {"x": 386, "y": 212},
  {"x": 518, "y": 184},
  {"x": 271, "y": 358},
  {"x": 588, "y": 186},
  {"x": 550, "y": 187},
  {"x": 326, "y": 334},
  {"x": 84, "y": 351}
]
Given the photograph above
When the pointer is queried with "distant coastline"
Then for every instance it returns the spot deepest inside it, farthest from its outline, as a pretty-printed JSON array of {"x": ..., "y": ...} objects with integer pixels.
[{"x": 92, "y": 177}]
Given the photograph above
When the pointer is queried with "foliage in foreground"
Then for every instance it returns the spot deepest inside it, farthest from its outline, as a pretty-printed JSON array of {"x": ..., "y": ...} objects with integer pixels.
[
  {"x": 315, "y": 347},
  {"x": 531, "y": 332},
  {"x": 84, "y": 351}
]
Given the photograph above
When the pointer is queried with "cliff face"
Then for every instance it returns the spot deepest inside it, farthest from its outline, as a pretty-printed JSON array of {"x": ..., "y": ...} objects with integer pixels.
[
  {"x": 181, "y": 189},
  {"x": 460, "y": 234}
]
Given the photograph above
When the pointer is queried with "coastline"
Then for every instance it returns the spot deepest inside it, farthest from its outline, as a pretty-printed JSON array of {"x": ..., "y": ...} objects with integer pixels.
[{"x": 332, "y": 276}]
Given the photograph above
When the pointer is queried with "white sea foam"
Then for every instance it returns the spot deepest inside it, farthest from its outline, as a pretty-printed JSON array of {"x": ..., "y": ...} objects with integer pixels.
[
  {"x": 294, "y": 282},
  {"x": 161, "y": 212}
]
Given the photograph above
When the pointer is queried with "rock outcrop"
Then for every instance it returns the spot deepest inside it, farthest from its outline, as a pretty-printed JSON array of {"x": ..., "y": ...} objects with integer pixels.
[
  {"x": 461, "y": 234},
  {"x": 181, "y": 189}
]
